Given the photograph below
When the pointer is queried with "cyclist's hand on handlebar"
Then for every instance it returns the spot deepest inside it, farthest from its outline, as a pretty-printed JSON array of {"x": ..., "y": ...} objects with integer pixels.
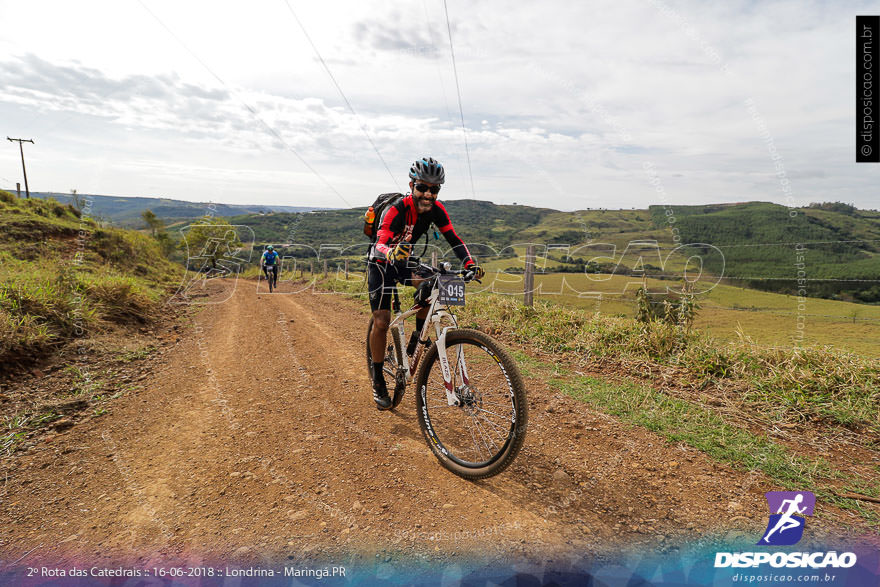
[
  {"x": 468, "y": 275},
  {"x": 473, "y": 272},
  {"x": 399, "y": 252}
]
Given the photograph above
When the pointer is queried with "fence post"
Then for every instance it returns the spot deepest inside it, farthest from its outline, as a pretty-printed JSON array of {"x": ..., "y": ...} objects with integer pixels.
[
  {"x": 311, "y": 268},
  {"x": 18, "y": 189},
  {"x": 346, "y": 270},
  {"x": 325, "y": 268},
  {"x": 529, "y": 277}
]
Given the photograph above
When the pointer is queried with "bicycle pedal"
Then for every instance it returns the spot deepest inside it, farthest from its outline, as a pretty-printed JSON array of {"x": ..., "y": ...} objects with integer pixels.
[{"x": 399, "y": 392}]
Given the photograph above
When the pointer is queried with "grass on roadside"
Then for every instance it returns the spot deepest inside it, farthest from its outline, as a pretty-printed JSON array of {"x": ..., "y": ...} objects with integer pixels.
[
  {"x": 94, "y": 390},
  {"x": 799, "y": 384},
  {"x": 137, "y": 354},
  {"x": 682, "y": 421},
  {"x": 810, "y": 383},
  {"x": 63, "y": 276},
  {"x": 83, "y": 383},
  {"x": 15, "y": 428}
]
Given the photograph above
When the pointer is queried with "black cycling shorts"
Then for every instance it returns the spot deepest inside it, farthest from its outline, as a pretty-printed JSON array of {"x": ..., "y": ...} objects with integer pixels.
[{"x": 381, "y": 278}]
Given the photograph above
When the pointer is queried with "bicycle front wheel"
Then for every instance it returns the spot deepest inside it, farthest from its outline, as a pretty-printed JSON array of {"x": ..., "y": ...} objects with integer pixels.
[{"x": 477, "y": 428}]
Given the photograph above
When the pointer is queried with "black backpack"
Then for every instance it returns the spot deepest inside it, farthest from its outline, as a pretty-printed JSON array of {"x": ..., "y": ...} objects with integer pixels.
[{"x": 373, "y": 215}]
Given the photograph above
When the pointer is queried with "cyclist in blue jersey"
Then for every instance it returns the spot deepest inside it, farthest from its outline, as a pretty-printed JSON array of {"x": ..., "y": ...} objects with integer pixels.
[{"x": 269, "y": 262}]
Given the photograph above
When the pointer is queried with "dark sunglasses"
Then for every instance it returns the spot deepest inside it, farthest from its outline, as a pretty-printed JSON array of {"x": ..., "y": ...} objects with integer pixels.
[{"x": 434, "y": 189}]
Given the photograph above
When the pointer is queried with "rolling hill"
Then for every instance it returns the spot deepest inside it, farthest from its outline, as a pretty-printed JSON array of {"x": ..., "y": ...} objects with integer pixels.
[
  {"x": 757, "y": 244},
  {"x": 125, "y": 211}
]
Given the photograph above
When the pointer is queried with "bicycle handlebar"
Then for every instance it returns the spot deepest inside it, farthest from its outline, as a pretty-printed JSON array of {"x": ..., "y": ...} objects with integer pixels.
[{"x": 466, "y": 274}]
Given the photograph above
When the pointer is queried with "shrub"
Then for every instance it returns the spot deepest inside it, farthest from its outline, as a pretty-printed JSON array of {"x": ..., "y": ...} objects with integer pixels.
[{"x": 675, "y": 309}]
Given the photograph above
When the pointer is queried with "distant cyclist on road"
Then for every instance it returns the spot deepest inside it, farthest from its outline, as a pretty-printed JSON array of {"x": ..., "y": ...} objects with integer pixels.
[
  {"x": 399, "y": 227},
  {"x": 269, "y": 263}
]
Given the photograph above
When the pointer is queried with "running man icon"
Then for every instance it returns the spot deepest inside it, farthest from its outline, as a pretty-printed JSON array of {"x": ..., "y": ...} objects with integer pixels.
[{"x": 787, "y": 524}]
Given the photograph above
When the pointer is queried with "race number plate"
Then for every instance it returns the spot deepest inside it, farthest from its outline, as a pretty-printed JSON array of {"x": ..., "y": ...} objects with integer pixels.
[{"x": 451, "y": 290}]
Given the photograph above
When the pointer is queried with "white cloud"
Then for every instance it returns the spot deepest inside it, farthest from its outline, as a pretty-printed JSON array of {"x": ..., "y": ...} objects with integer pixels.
[{"x": 563, "y": 102}]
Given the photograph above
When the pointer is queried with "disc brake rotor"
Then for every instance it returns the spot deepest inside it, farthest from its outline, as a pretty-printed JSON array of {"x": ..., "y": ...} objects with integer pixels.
[{"x": 466, "y": 396}]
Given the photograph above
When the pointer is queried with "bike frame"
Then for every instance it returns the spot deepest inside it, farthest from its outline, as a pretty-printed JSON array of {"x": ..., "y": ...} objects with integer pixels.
[{"x": 435, "y": 314}]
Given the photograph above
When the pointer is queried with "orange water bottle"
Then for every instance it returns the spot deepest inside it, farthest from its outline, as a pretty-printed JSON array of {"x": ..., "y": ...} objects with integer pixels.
[{"x": 369, "y": 217}]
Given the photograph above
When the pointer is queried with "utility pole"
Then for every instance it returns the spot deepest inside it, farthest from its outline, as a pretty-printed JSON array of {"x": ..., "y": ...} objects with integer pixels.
[{"x": 23, "y": 169}]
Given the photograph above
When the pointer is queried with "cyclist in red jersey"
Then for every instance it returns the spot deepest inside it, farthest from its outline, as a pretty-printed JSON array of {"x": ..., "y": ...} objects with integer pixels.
[{"x": 399, "y": 227}]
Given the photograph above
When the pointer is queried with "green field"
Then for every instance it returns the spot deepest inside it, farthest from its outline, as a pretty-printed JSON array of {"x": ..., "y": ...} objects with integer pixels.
[
  {"x": 597, "y": 259},
  {"x": 764, "y": 317},
  {"x": 727, "y": 312}
]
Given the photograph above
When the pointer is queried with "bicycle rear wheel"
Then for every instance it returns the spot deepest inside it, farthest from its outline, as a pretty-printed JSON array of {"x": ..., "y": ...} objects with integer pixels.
[
  {"x": 390, "y": 366},
  {"x": 481, "y": 435}
]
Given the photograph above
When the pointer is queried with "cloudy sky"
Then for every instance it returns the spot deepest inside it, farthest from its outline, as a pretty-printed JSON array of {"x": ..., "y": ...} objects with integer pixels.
[{"x": 566, "y": 104}]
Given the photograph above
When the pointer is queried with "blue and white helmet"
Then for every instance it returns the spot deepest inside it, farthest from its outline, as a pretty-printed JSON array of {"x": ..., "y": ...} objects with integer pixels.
[{"x": 427, "y": 169}]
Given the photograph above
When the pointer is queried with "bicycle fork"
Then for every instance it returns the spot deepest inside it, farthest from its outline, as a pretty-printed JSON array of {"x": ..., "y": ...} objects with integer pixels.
[
  {"x": 448, "y": 376},
  {"x": 408, "y": 370}
]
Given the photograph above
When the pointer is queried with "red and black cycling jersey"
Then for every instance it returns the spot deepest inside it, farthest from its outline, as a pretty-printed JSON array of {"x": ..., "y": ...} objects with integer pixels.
[{"x": 402, "y": 222}]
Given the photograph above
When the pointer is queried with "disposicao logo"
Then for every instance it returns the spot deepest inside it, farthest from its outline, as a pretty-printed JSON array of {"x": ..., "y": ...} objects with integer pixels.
[
  {"x": 786, "y": 525},
  {"x": 788, "y": 511}
]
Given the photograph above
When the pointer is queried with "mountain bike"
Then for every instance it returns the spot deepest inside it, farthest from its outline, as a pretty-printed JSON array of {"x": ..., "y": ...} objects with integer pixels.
[
  {"x": 470, "y": 398},
  {"x": 271, "y": 272}
]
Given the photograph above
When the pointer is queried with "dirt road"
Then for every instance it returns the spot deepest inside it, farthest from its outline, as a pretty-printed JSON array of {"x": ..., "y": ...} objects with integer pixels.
[{"x": 256, "y": 437}]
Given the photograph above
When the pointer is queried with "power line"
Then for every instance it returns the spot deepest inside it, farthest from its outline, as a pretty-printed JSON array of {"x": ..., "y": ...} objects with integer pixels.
[
  {"x": 434, "y": 49},
  {"x": 460, "y": 109},
  {"x": 341, "y": 93},
  {"x": 250, "y": 109}
]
